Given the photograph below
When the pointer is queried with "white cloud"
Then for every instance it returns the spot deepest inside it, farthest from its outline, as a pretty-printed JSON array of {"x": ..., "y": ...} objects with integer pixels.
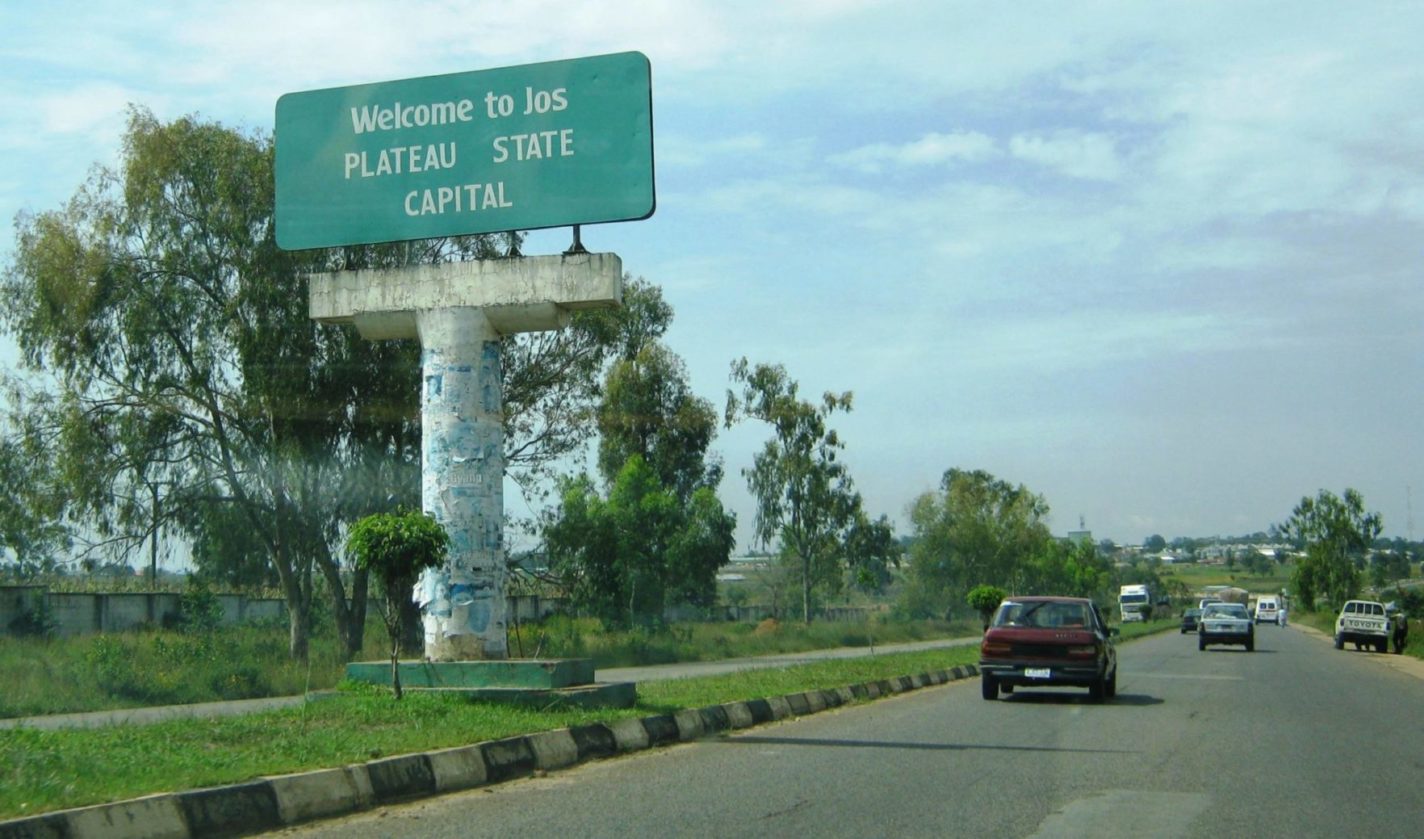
[
  {"x": 87, "y": 109},
  {"x": 1074, "y": 154},
  {"x": 797, "y": 195},
  {"x": 930, "y": 150},
  {"x": 686, "y": 151}
]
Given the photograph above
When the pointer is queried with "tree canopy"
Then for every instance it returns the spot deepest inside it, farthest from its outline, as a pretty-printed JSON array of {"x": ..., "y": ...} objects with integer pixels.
[
  {"x": 1335, "y": 533},
  {"x": 806, "y": 502},
  {"x": 660, "y": 534},
  {"x": 649, "y": 410},
  {"x": 626, "y": 557},
  {"x": 978, "y": 530}
]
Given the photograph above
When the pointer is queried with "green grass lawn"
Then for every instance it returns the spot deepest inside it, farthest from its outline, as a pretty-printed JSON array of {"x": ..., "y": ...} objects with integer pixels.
[
  {"x": 163, "y": 667},
  {"x": 1197, "y": 577}
]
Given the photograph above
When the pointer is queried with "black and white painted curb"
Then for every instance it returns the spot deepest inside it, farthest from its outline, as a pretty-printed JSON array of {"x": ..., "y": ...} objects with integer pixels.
[{"x": 278, "y": 801}]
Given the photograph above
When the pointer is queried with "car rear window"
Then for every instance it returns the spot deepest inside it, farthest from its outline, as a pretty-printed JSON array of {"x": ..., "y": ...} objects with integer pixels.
[
  {"x": 1225, "y": 610},
  {"x": 1042, "y": 614}
]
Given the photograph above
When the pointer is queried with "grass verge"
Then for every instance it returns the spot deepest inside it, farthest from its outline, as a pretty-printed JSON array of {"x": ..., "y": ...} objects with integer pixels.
[
  {"x": 163, "y": 667},
  {"x": 1323, "y": 621},
  {"x": 52, "y": 770},
  {"x": 1139, "y": 629},
  {"x": 563, "y": 637}
]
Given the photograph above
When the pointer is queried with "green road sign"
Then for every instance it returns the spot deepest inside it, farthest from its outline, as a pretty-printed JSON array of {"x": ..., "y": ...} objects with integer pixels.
[{"x": 517, "y": 148}]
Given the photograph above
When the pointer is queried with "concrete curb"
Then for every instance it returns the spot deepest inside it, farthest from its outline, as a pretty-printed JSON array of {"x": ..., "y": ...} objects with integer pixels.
[{"x": 279, "y": 801}]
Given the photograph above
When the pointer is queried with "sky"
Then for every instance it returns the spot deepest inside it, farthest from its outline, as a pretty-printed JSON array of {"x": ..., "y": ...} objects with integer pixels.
[{"x": 1158, "y": 262}]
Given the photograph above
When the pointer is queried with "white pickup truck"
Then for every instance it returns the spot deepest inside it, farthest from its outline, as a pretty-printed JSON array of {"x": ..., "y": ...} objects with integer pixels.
[{"x": 1363, "y": 623}]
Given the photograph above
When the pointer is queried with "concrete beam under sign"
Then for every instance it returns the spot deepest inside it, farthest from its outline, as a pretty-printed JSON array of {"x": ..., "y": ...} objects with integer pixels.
[{"x": 521, "y": 294}]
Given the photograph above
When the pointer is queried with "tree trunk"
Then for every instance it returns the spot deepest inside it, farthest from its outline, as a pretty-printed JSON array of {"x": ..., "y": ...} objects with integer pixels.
[
  {"x": 299, "y": 629},
  {"x": 350, "y": 615},
  {"x": 395, "y": 663},
  {"x": 298, "y": 611},
  {"x": 153, "y": 541},
  {"x": 806, "y": 589},
  {"x": 355, "y": 638}
]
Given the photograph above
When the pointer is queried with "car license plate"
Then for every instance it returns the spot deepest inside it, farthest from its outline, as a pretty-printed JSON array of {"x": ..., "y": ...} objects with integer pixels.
[{"x": 1037, "y": 672}]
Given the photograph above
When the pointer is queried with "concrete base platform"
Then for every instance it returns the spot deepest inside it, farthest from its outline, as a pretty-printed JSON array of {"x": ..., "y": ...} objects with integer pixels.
[
  {"x": 600, "y": 695},
  {"x": 539, "y": 682}
]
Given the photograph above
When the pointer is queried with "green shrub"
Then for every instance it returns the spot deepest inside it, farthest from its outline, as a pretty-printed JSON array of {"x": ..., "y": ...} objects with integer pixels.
[
  {"x": 984, "y": 600},
  {"x": 36, "y": 620},
  {"x": 243, "y": 682},
  {"x": 198, "y": 609},
  {"x": 109, "y": 662}
]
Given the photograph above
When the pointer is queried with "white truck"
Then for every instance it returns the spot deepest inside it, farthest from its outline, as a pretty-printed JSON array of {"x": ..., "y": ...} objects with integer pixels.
[
  {"x": 1132, "y": 601},
  {"x": 1363, "y": 623}
]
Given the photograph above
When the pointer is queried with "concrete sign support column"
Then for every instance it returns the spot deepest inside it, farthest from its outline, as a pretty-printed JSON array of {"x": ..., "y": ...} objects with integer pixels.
[
  {"x": 461, "y": 483},
  {"x": 459, "y": 311}
]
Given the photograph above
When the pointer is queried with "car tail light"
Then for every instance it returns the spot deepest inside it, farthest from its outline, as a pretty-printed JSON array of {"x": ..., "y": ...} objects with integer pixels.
[
  {"x": 991, "y": 648},
  {"x": 1083, "y": 651}
]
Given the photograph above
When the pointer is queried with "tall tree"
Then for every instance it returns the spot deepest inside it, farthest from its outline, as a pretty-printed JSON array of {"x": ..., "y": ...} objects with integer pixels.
[
  {"x": 661, "y": 534},
  {"x": 31, "y": 526},
  {"x": 626, "y": 557},
  {"x": 1335, "y": 533},
  {"x": 554, "y": 381},
  {"x": 1073, "y": 568},
  {"x": 649, "y": 410},
  {"x": 871, "y": 551},
  {"x": 806, "y": 501},
  {"x": 197, "y": 394},
  {"x": 976, "y": 530}
]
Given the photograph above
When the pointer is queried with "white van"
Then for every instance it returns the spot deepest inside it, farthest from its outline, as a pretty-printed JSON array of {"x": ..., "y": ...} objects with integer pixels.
[{"x": 1268, "y": 609}]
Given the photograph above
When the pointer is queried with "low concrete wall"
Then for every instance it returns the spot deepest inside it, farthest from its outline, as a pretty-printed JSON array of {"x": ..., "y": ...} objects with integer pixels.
[
  {"x": 84, "y": 613},
  {"x": 75, "y": 613}
]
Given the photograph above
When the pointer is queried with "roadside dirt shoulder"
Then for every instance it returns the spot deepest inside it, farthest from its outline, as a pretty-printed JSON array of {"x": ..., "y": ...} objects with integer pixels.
[{"x": 1406, "y": 664}]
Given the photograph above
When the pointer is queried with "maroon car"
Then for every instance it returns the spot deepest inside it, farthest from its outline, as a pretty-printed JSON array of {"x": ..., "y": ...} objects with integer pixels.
[{"x": 1043, "y": 641}]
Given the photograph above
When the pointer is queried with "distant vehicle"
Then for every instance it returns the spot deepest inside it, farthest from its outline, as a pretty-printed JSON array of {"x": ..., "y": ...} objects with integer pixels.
[
  {"x": 1226, "y": 623},
  {"x": 1043, "y": 641},
  {"x": 1363, "y": 623},
  {"x": 1189, "y": 620},
  {"x": 1268, "y": 608},
  {"x": 1207, "y": 601},
  {"x": 1132, "y": 600}
]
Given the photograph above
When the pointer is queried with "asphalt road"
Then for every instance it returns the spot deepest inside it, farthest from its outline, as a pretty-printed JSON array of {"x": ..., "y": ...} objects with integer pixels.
[{"x": 1296, "y": 739}]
